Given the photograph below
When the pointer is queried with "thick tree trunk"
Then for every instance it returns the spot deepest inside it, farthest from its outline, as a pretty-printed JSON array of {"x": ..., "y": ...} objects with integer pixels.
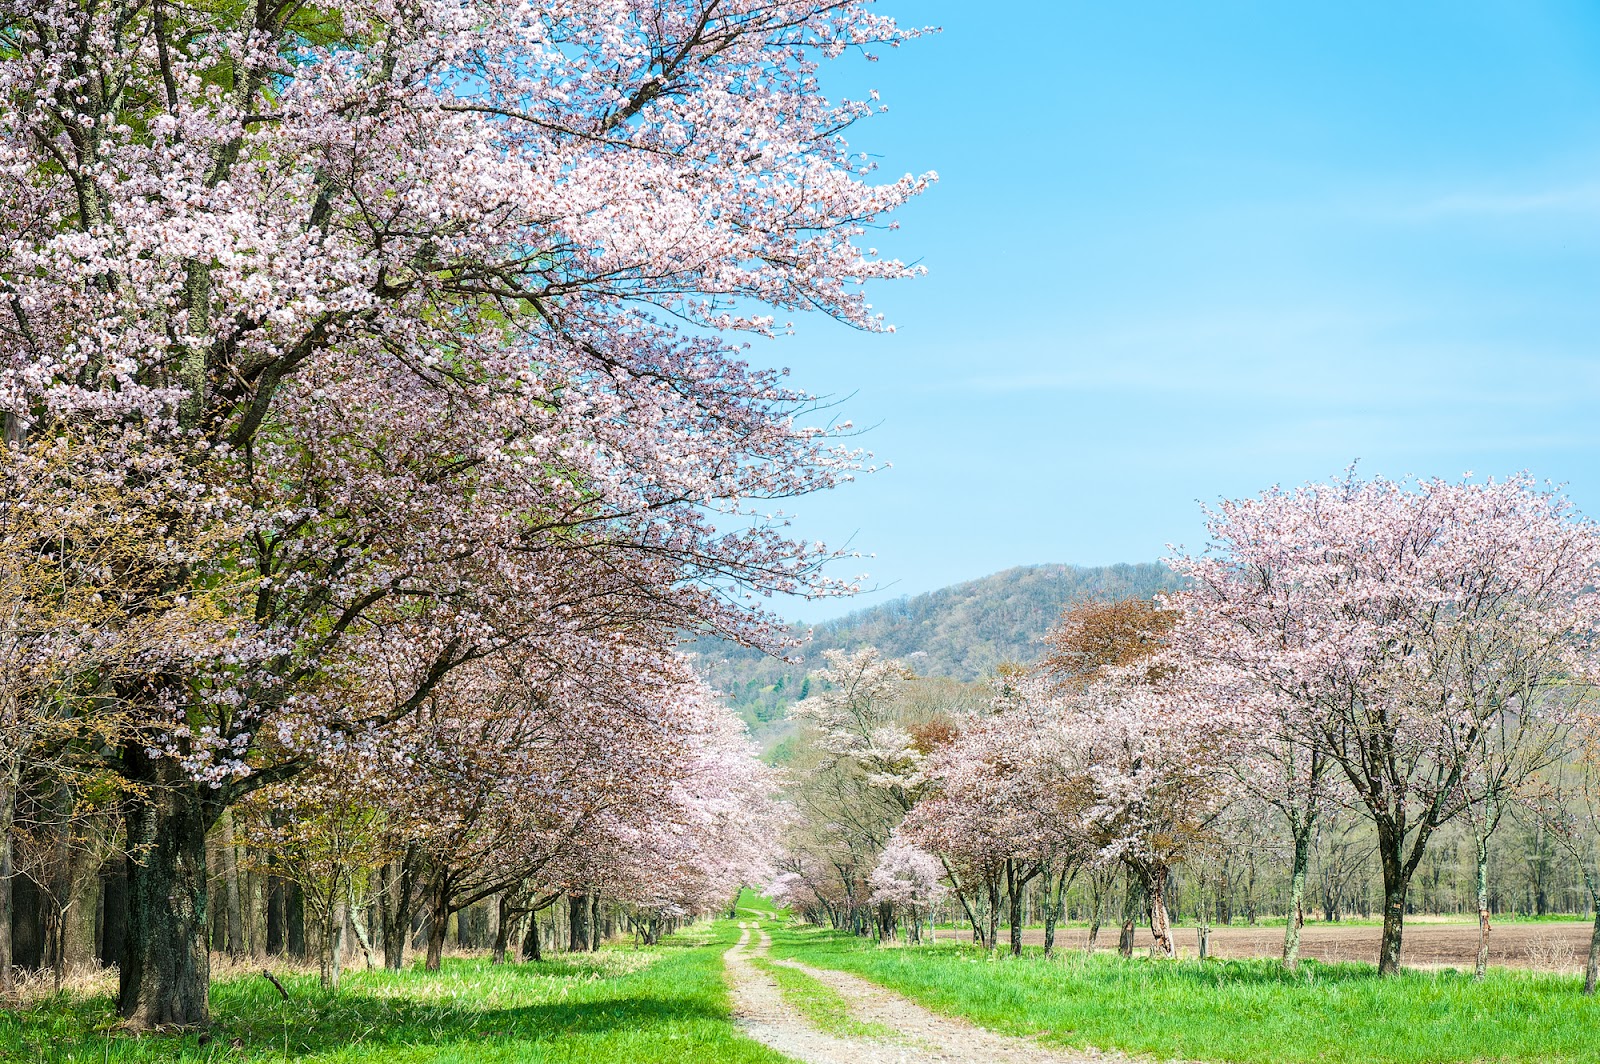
[
  {"x": 1295, "y": 919},
  {"x": 276, "y": 916},
  {"x": 230, "y": 882},
  {"x": 1157, "y": 878},
  {"x": 294, "y": 919},
  {"x": 1394, "y": 918},
  {"x": 394, "y": 908},
  {"x": 438, "y": 925},
  {"x": 165, "y": 975},
  {"x": 79, "y": 921},
  {"x": 577, "y": 923},
  {"x": 438, "y": 930}
]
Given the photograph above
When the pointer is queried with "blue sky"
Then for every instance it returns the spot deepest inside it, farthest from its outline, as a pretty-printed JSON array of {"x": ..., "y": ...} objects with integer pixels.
[{"x": 1183, "y": 251}]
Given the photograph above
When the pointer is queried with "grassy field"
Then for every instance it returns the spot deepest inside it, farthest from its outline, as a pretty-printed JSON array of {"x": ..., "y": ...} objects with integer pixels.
[
  {"x": 668, "y": 1003},
  {"x": 1243, "y": 1011}
]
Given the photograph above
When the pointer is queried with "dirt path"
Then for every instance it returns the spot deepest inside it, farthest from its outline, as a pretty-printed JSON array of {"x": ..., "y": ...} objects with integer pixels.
[{"x": 919, "y": 1035}]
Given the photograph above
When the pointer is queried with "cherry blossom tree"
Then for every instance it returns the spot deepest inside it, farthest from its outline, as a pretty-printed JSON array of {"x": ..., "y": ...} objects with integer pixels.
[
  {"x": 1153, "y": 779},
  {"x": 1398, "y": 625},
  {"x": 910, "y": 879},
  {"x": 416, "y": 301},
  {"x": 1133, "y": 743},
  {"x": 1000, "y": 811}
]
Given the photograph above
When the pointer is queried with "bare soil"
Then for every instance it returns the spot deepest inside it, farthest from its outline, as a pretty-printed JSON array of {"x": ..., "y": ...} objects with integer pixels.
[{"x": 1427, "y": 944}]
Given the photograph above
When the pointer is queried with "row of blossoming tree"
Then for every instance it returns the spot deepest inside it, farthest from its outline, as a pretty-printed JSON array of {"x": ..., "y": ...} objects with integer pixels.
[
  {"x": 371, "y": 437},
  {"x": 1421, "y": 654}
]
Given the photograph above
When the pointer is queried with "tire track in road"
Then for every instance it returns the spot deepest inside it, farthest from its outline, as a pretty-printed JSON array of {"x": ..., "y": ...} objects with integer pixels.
[{"x": 920, "y": 1036}]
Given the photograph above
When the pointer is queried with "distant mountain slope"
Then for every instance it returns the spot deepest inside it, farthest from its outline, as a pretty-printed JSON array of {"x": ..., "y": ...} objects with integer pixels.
[{"x": 962, "y": 631}]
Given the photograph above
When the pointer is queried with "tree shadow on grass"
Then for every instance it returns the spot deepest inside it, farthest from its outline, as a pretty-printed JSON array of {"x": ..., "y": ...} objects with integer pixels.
[{"x": 412, "y": 1010}]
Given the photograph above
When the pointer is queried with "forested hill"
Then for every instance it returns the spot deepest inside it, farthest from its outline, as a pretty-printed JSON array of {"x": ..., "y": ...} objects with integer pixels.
[{"x": 962, "y": 631}]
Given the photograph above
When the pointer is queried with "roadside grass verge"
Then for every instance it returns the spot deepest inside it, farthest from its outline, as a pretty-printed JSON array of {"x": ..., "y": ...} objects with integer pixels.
[
  {"x": 1251, "y": 1012},
  {"x": 666, "y": 1003}
]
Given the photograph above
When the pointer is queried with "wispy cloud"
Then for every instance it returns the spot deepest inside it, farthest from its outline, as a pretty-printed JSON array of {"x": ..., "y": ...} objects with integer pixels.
[{"x": 1580, "y": 199}]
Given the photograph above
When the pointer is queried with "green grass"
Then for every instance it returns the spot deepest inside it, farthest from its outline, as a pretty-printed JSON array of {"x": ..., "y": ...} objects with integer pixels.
[
  {"x": 751, "y": 904},
  {"x": 668, "y": 1003},
  {"x": 1245, "y": 1011}
]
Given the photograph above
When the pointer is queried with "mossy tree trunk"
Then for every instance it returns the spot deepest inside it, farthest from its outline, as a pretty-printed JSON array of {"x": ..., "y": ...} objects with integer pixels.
[{"x": 165, "y": 974}]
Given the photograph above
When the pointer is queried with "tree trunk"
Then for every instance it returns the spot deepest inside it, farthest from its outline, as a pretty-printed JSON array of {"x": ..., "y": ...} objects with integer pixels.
[
  {"x": 506, "y": 926},
  {"x": 1591, "y": 973},
  {"x": 1483, "y": 907},
  {"x": 255, "y": 907},
  {"x": 1052, "y": 912},
  {"x": 992, "y": 938},
  {"x": 1055, "y": 894},
  {"x": 438, "y": 925},
  {"x": 594, "y": 923},
  {"x": 1015, "y": 887},
  {"x": 438, "y": 930},
  {"x": 394, "y": 907},
  {"x": 230, "y": 878},
  {"x": 294, "y": 919},
  {"x": 530, "y": 946},
  {"x": 1130, "y": 914},
  {"x": 1099, "y": 887},
  {"x": 1296, "y": 916},
  {"x": 1394, "y": 917},
  {"x": 1157, "y": 878},
  {"x": 114, "y": 914},
  {"x": 276, "y": 917},
  {"x": 78, "y": 923},
  {"x": 577, "y": 923},
  {"x": 165, "y": 975},
  {"x": 334, "y": 941}
]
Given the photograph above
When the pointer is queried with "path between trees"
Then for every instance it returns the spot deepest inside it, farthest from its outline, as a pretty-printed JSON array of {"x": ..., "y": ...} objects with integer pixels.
[{"x": 919, "y": 1035}]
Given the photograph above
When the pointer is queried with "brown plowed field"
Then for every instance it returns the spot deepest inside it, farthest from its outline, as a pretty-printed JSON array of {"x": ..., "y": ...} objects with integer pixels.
[{"x": 1546, "y": 946}]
